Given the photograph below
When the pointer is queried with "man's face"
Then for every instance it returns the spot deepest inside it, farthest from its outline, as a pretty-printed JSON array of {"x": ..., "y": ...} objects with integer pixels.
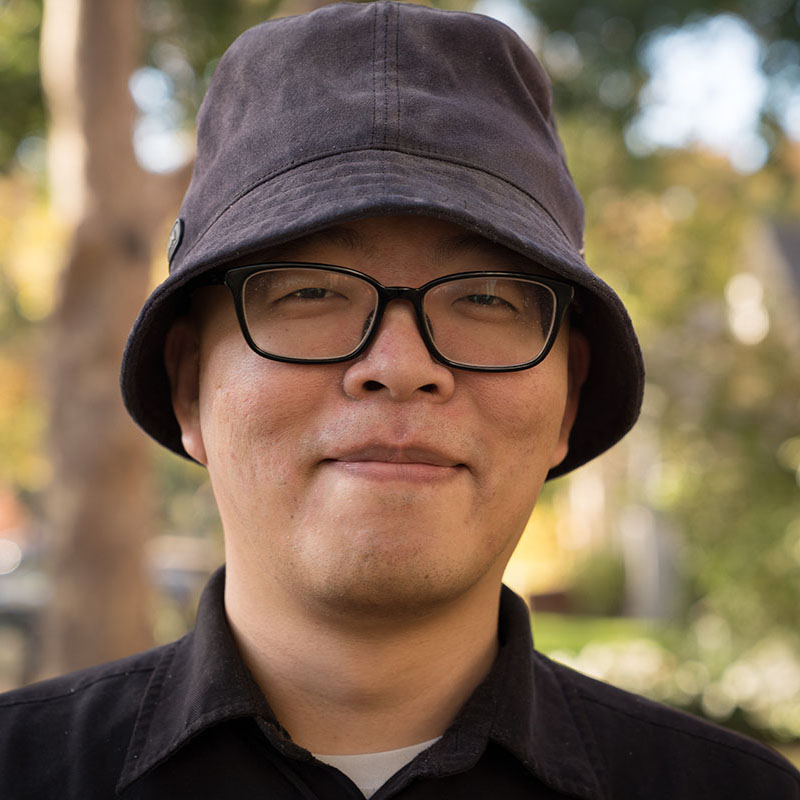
[{"x": 387, "y": 483}]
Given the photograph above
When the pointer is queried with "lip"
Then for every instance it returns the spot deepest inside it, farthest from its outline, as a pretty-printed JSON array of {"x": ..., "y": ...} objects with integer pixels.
[{"x": 404, "y": 463}]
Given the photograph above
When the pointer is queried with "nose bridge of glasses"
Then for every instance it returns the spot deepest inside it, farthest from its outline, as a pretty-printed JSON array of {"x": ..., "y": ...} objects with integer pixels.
[
  {"x": 400, "y": 293},
  {"x": 405, "y": 294}
]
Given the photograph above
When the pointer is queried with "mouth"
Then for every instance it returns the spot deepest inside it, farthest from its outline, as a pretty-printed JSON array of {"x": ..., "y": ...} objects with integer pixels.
[{"x": 406, "y": 463}]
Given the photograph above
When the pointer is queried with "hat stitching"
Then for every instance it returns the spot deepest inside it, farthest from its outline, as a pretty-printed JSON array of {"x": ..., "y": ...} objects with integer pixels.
[
  {"x": 433, "y": 155},
  {"x": 547, "y": 247},
  {"x": 548, "y": 252},
  {"x": 397, "y": 79},
  {"x": 305, "y": 203},
  {"x": 385, "y": 79},
  {"x": 374, "y": 73},
  {"x": 385, "y": 76}
]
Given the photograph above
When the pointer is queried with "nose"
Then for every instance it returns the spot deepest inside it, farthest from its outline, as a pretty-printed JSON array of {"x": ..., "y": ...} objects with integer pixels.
[{"x": 398, "y": 363}]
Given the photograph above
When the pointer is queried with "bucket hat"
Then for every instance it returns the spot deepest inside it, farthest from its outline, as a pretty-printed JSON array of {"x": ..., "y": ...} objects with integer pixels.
[{"x": 361, "y": 110}]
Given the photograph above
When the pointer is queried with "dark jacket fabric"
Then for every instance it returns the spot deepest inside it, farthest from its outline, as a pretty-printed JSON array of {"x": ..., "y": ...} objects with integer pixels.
[{"x": 187, "y": 721}]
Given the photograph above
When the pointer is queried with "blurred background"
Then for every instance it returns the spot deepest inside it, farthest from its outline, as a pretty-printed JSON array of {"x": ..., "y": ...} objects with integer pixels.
[{"x": 670, "y": 566}]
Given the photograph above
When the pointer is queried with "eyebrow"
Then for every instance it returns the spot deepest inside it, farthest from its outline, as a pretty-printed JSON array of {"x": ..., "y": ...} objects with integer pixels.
[
  {"x": 337, "y": 235},
  {"x": 447, "y": 249},
  {"x": 473, "y": 242}
]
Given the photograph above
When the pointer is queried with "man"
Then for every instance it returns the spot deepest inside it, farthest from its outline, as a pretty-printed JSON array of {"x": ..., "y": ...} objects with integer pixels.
[{"x": 381, "y": 338}]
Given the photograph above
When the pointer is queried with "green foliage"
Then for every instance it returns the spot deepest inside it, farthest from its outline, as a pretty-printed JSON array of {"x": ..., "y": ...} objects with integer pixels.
[
  {"x": 186, "y": 503},
  {"x": 185, "y": 38},
  {"x": 569, "y": 633},
  {"x": 22, "y": 412},
  {"x": 605, "y": 39},
  {"x": 598, "y": 584},
  {"x": 774, "y": 19},
  {"x": 22, "y": 113},
  {"x": 182, "y": 37}
]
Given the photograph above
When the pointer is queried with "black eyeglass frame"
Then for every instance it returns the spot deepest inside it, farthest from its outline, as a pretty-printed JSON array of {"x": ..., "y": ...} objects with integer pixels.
[{"x": 235, "y": 277}]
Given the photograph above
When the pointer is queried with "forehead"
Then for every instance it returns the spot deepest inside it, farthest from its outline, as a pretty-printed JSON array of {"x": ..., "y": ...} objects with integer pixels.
[{"x": 439, "y": 242}]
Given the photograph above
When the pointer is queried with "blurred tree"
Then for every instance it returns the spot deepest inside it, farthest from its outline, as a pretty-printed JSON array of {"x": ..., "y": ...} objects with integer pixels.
[
  {"x": 100, "y": 499},
  {"x": 603, "y": 40}
]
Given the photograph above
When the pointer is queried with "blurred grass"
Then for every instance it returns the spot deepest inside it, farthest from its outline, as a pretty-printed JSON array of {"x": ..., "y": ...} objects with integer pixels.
[{"x": 553, "y": 632}]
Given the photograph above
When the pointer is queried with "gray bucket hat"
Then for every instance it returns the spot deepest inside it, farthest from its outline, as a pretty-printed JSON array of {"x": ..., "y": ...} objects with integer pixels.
[{"x": 359, "y": 110}]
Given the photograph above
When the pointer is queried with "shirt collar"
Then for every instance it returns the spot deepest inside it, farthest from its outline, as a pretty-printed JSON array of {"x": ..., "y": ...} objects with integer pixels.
[
  {"x": 539, "y": 720},
  {"x": 201, "y": 681}
]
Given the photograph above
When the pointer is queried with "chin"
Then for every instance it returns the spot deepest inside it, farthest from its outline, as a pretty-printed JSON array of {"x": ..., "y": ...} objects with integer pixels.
[{"x": 385, "y": 593}]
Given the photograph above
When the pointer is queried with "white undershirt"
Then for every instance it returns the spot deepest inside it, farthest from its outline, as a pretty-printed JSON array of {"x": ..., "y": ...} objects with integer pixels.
[{"x": 369, "y": 771}]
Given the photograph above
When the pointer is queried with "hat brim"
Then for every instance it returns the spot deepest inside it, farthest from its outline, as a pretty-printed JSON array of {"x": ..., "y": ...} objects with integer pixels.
[{"x": 370, "y": 182}]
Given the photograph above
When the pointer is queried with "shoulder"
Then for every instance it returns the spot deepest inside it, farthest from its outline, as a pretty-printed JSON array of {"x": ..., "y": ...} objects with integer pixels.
[
  {"x": 113, "y": 685},
  {"x": 669, "y": 749},
  {"x": 76, "y": 724}
]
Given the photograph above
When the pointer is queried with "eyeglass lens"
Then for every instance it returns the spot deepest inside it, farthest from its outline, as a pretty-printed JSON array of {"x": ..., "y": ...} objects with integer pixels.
[{"x": 477, "y": 321}]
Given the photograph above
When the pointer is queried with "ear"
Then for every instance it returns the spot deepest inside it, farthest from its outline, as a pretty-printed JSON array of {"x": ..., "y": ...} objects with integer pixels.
[
  {"x": 182, "y": 361},
  {"x": 577, "y": 370}
]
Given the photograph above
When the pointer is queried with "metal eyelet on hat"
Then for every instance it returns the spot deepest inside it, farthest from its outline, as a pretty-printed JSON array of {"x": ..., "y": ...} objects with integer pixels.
[{"x": 175, "y": 239}]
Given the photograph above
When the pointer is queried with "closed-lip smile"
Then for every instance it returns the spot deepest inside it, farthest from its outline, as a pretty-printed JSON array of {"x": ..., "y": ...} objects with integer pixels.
[{"x": 393, "y": 462}]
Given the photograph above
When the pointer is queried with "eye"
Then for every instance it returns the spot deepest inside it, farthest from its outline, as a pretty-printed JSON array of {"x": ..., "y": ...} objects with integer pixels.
[
  {"x": 485, "y": 305},
  {"x": 311, "y": 293},
  {"x": 487, "y": 300}
]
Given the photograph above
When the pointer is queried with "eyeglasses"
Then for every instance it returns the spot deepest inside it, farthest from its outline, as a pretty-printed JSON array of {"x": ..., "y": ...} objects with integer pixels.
[{"x": 489, "y": 321}]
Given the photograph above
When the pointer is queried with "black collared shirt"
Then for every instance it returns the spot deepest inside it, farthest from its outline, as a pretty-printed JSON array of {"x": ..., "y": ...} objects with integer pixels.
[{"x": 187, "y": 720}]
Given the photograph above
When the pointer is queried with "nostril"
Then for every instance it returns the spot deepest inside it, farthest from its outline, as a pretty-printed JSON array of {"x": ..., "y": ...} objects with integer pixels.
[
  {"x": 373, "y": 386},
  {"x": 430, "y": 388}
]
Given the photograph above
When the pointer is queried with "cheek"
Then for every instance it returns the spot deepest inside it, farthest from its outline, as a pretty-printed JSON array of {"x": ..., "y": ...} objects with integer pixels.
[
  {"x": 253, "y": 412},
  {"x": 527, "y": 408},
  {"x": 523, "y": 413},
  {"x": 251, "y": 416}
]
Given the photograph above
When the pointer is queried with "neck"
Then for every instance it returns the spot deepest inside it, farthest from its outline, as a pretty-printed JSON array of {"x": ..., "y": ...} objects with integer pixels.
[{"x": 366, "y": 686}]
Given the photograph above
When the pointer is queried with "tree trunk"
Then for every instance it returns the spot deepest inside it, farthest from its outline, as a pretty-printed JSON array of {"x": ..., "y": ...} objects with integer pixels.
[{"x": 100, "y": 502}]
